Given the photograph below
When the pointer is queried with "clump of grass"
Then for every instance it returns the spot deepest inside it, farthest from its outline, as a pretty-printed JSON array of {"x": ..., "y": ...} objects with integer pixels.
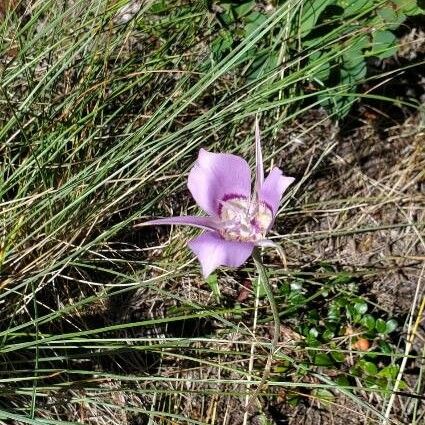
[{"x": 102, "y": 115}]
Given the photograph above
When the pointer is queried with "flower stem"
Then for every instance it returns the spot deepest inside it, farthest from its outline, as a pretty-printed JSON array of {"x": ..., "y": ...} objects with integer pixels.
[{"x": 264, "y": 280}]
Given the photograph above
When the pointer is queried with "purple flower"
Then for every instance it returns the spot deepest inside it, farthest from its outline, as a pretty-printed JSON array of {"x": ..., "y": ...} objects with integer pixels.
[{"x": 238, "y": 219}]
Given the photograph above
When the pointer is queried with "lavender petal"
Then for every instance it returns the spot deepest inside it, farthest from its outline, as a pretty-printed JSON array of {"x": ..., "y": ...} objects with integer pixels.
[
  {"x": 206, "y": 223},
  {"x": 273, "y": 188},
  {"x": 216, "y": 175},
  {"x": 214, "y": 251}
]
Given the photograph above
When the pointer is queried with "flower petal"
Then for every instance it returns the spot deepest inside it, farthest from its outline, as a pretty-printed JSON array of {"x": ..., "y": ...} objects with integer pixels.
[
  {"x": 214, "y": 251},
  {"x": 206, "y": 223},
  {"x": 273, "y": 187},
  {"x": 216, "y": 175}
]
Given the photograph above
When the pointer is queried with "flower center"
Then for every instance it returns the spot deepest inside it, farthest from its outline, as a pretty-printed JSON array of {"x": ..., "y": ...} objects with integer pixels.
[{"x": 243, "y": 219}]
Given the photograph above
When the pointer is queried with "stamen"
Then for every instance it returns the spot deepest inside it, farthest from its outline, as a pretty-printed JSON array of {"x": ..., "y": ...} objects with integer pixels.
[{"x": 244, "y": 219}]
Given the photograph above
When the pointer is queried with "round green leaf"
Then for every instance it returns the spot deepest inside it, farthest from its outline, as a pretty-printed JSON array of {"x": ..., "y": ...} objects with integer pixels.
[
  {"x": 368, "y": 321},
  {"x": 253, "y": 21},
  {"x": 338, "y": 356},
  {"x": 361, "y": 307},
  {"x": 243, "y": 9},
  {"x": 322, "y": 359},
  {"x": 328, "y": 335},
  {"x": 385, "y": 347},
  {"x": 389, "y": 372},
  {"x": 391, "y": 326},
  {"x": 323, "y": 395},
  {"x": 342, "y": 381},
  {"x": 313, "y": 332},
  {"x": 384, "y": 44},
  {"x": 369, "y": 367},
  {"x": 310, "y": 14},
  {"x": 381, "y": 326},
  {"x": 334, "y": 314}
]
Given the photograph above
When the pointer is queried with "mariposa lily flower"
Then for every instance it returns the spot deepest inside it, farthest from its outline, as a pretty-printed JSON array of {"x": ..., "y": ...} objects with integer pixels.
[{"x": 238, "y": 218}]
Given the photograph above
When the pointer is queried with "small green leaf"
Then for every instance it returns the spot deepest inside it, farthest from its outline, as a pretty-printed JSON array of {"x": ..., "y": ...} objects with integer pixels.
[
  {"x": 322, "y": 67},
  {"x": 285, "y": 289},
  {"x": 403, "y": 385},
  {"x": 310, "y": 14},
  {"x": 313, "y": 316},
  {"x": 382, "y": 384},
  {"x": 343, "y": 381},
  {"x": 369, "y": 367},
  {"x": 253, "y": 21},
  {"x": 281, "y": 369},
  {"x": 350, "y": 312},
  {"x": 293, "y": 400},
  {"x": 243, "y": 9},
  {"x": 334, "y": 312},
  {"x": 324, "y": 395},
  {"x": 296, "y": 298},
  {"x": 237, "y": 311},
  {"x": 263, "y": 63},
  {"x": 381, "y": 326},
  {"x": 222, "y": 43},
  {"x": 338, "y": 356},
  {"x": 391, "y": 326},
  {"x": 303, "y": 369},
  {"x": 159, "y": 7},
  {"x": 342, "y": 278},
  {"x": 322, "y": 359},
  {"x": 361, "y": 307},
  {"x": 352, "y": 73},
  {"x": 227, "y": 17},
  {"x": 389, "y": 372},
  {"x": 385, "y": 347},
  {"x": 383, "y": 44},
  {"x": 356, "y": 46},
  {"x": 336, "y": 102},
  {"x": 327, "y": 335},
  {"x": 368, "y": 322},
  {"x": 311, "y": 340},
  {"x": 389, "y": 19},
  {"x": 212, "y": 281},
  {"x": 372, "y": 382},
  {"x": 388, "y": 14},
  {"x": 313, "y": 332}
]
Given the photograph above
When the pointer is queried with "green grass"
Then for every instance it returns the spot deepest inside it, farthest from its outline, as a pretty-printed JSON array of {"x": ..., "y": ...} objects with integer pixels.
[{"x": 100, "y": 122}]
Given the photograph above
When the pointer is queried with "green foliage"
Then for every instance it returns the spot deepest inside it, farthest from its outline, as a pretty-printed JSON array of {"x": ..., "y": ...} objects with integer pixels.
[
  {"x": 340, "y": 327},
  {"x": 323, "y": 395},
  {"x": 311, "y": 10},
  {"x": 340, "y": 35},
  {"x": 258, "y": 288},
  {"x": 212, "y": 282}
]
